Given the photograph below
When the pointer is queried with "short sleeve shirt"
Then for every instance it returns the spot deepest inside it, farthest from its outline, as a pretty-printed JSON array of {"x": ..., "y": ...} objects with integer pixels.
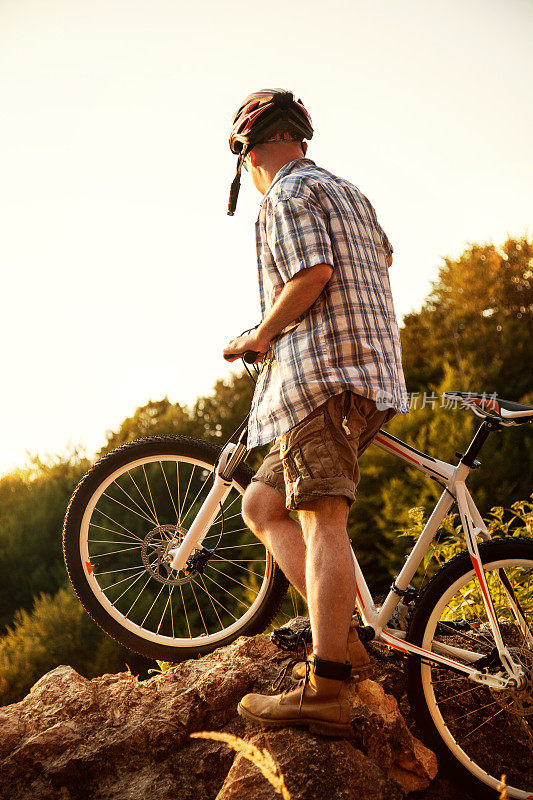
[{"x": 349, "y": 338}]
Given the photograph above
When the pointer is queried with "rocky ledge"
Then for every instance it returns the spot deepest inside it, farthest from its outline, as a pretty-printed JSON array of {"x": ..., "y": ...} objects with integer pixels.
[{"x": 118, "y": 738}]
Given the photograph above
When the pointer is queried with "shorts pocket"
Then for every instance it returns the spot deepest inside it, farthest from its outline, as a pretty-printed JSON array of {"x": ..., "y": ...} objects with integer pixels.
[
  {"x": 306, "y": 452},
  {"x": 291, "y": 438}
]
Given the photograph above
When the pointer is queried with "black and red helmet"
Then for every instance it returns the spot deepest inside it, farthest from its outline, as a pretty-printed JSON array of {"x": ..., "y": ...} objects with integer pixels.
[{"x": 262, "y": 117}]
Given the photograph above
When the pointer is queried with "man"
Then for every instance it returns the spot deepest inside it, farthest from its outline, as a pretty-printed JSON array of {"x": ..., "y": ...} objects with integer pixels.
[{"x": 331, "y": 376}]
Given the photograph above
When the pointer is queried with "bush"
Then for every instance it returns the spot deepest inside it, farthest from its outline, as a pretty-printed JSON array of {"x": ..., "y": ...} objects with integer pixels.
[{"x": 56, "y": 631}]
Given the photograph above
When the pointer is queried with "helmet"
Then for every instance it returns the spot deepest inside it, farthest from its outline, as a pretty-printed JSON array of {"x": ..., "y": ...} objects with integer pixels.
[{"x": 267, "y": 115}]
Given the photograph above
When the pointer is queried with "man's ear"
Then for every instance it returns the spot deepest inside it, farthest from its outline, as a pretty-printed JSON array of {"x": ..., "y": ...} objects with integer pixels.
[
  {"x": 252, "y": 157},
  {"x": 304, "y": 147}
]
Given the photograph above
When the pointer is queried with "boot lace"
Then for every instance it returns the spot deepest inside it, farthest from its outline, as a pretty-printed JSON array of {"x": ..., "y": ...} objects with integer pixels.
[{"x": 297, "y": 642}]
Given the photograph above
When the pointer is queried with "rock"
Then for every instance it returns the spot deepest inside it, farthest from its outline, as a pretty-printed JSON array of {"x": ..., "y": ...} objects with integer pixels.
[
  {"x": 313, "y": 767},
  {"x": 118, "y": 738}
]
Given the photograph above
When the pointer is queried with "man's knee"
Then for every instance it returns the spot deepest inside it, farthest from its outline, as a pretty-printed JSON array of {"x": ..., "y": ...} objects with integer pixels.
[
  {"x": 262, "y": 504},
  {"x": 324, "y": 516}
]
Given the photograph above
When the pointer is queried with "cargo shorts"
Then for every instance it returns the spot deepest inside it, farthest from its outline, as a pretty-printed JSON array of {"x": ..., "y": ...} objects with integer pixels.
[{"x": 319, "y": 456}]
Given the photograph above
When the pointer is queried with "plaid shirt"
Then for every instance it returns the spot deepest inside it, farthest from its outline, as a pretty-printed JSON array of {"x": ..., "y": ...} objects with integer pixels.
[{"x": 349, "y": 338}]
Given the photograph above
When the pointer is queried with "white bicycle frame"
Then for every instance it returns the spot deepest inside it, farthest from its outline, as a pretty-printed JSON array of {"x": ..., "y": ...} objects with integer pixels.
[{"x": 453, "y": 478}]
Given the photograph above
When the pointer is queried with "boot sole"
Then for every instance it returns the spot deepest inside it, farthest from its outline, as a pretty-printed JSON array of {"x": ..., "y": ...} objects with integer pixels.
[{"x": 344, "y": 730}]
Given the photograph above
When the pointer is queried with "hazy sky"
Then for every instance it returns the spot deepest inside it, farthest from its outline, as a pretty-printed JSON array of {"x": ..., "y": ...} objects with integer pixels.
[{"x": 122, "y": 276}]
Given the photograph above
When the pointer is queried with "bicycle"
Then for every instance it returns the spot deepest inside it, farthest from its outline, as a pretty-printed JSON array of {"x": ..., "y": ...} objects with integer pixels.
[{"x": 166, "y": 566}]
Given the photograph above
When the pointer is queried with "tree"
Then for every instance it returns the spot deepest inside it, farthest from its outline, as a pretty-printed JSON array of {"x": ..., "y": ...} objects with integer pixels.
[
  {"x": 478, "y": 321},
  {"x": 473, "y": 333},
  {"x": 32, "y": 507}
]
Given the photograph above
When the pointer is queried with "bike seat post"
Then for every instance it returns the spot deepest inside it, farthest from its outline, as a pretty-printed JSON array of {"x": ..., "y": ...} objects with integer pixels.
[{"x": 487, "y": 426}]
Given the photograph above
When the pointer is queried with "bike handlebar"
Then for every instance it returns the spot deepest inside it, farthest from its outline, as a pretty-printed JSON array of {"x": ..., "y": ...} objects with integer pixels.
[{"x": 249, "y": 356}]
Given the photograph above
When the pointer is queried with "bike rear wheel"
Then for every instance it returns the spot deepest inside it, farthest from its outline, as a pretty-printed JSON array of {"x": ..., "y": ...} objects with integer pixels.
[
  {"x": 125, "y": 515},
  {"x": 479, "y": 734}
]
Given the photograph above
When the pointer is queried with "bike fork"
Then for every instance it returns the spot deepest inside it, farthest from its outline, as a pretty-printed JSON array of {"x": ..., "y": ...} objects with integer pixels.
[{"x": 230, "y": 458}]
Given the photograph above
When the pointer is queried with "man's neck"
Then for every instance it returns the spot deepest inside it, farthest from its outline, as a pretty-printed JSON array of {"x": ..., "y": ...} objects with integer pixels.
[{"x": 265, "y": 173}]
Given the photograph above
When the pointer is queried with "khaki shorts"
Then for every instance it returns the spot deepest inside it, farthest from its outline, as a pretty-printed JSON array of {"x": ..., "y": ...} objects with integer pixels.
[{"x": 319, "y": 456}]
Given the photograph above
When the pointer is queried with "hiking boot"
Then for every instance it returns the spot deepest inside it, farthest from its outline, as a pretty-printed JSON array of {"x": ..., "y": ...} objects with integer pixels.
[
  {"x": 319, "y": 702},
  {"x": 356, "y": 654}
]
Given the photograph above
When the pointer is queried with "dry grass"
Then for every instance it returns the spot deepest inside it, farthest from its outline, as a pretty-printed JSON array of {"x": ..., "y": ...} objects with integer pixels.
[
  {"x": 263, "y": 759},
  {"x": 503, "y": 788}
]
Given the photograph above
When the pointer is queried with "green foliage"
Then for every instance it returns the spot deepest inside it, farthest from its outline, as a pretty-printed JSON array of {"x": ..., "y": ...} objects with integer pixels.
[
  {"x": 32, "y": 508},
  {"x": 472, "y": 334},
  {"x": 213, "y": 418},
  {"x": 478, "y": 320},
  {"x": 449, "y": 541},
  {"x": 57, "y": 631}
]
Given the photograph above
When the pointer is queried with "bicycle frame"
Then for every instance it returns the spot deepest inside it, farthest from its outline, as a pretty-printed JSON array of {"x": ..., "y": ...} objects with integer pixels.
[{"x": 453, "y": 479}]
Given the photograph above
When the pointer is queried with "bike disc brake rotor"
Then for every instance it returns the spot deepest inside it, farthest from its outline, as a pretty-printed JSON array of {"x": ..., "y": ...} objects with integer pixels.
[
  {"x": 519, "y": 701},
  {"x": 156, "y": 556}
]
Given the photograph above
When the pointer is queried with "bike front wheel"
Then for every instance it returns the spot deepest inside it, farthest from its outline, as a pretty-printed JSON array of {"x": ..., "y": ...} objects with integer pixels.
[
  {"x": 478, "y": 733},
  {"x": 124, "y": 517}
]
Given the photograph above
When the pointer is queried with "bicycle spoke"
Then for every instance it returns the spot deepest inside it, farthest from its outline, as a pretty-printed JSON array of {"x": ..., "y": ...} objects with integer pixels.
[
  {"x": 197, "y": 495},
  {"x": 150, "y": 493},
  {"x": 116, "y": 483},
  {"x": 140, "y": 593},
  {"x": 153, "y": 604},
  {"x": 164, "y": 610},
  {"x": 227, "y": 592},
  {"x": 460, "y": 694},
  {"x": 237, "y": 530},
  {"x": 235, "y": 499},
  {"x": 110, "y": 541},
  {"x": 236, "y": 563},
  {"x": 238, "y": 546},
  {"x": 114, "y": 521},
  {"x": 130, "y": 537},
  {"x": 129, "y": 577},
  {"x": 132, "y": 510},
  {"x": 233, "y": 579},
  {"x": 210, "y": 597},
  {"x": 187, "y": 492},
  {"x": 114, "y": 552},
  {"x": 113, "y": 571},
  {"x": 227, "y": 519},
  {"x": 186, "y": 616},
  {"x": 140, "y": 493},
  {"x": 169, "y": 492},
  {"x": 466, "y": 736},
  {"x": 199, "y": 609},
  {"x": 178, "y": 491}
]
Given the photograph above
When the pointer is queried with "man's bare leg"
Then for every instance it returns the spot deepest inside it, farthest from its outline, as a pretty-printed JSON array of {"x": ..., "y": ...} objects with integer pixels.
[
  {"x": 330, "y": 575},
  {"x": 264, "y": 511}
]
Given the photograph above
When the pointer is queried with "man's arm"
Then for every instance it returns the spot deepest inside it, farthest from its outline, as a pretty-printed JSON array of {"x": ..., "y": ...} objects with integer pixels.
[{"x": 296, "y": 297}]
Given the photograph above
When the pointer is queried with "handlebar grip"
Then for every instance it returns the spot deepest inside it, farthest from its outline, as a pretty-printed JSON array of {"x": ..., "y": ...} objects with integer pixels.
[{"x": 249, "y": 356}]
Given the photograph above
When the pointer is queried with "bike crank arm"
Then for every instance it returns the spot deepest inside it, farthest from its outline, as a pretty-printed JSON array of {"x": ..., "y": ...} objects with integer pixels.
[{"x": 230, "y": 458}]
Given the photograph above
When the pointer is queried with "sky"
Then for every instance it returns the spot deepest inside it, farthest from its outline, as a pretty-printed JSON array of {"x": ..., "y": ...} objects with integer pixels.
[{"x": 122, "y": 275}]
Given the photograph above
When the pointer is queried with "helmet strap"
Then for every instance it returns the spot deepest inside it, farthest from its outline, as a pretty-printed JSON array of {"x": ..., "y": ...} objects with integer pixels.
[{"x": 236, "y": 183}]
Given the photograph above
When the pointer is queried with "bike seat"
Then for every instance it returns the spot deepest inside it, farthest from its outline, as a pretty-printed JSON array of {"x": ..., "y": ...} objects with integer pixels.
[{"x": 489, "y": 405}]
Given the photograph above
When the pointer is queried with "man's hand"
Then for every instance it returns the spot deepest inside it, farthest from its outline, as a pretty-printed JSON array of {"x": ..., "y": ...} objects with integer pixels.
[
  {"x": 297, "y": 297},
  {"x": 250, "y": 341}
]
